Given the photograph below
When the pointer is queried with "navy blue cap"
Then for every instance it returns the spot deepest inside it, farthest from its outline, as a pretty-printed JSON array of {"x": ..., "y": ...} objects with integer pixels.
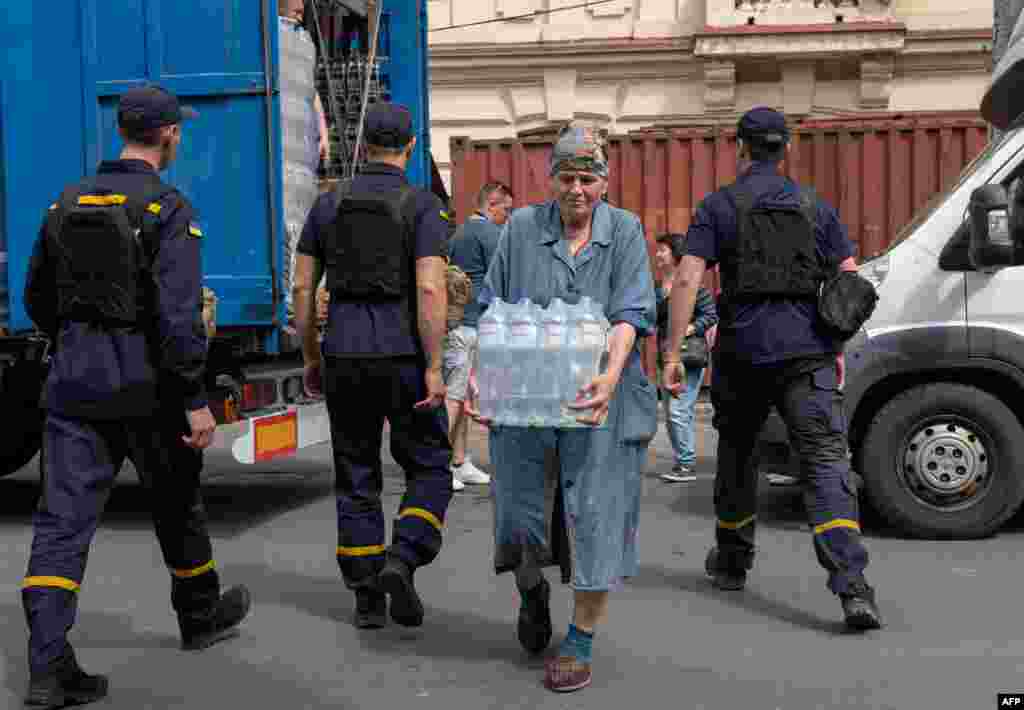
[
  {"x": 149, "y": 107},
  {"x": 388, "y": 125},
  {"x": 763, "y": 125}
]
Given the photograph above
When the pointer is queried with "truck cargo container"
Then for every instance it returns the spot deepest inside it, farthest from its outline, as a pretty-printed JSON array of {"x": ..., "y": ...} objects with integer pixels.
[{"x": 67, "y": 64}]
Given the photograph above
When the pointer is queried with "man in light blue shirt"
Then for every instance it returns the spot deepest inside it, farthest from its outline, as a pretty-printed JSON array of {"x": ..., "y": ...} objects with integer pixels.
[{"x": 471, "y": 249}]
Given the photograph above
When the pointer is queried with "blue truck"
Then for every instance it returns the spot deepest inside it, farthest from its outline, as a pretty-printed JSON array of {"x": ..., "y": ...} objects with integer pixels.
[{"x": 66, "y": 66}]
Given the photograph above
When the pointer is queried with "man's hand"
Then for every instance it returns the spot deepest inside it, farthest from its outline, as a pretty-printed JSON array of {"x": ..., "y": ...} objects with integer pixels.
[
  {"x": 323, "y": 298},
  {"x": 711, "y": 336},
  {"x": 672, "y": 380},
  {"x": 312, "y": 379},
  {"x": 432, "y": 315},
  {"x": 690, "y": 330},
  {"x": 321, "y": 118},
  {"x": 472, "y": 404},
  {"x": 202, "y": 424},
  {"x": 596, "y": 396},
  {"x": 841, "y": 369},
  {"x": 436, "y": 389}
]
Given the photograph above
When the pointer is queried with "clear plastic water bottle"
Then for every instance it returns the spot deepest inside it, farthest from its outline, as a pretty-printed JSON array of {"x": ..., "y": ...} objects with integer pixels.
[
  {"x": 606, "y": 333},
  {"x": 535, "y": 391},
  {"x": 553, "y": 363},
  {"x": 523, "y": 339},
  {"x": 596, "y": 335},
  {"x": 571, "y": 373},
  {"x": 492, "y": 331},
  {"x": 587, "y": 344}
]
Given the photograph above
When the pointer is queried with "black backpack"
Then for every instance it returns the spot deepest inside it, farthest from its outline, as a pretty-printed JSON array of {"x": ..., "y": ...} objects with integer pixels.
[
  {"x": 101, "y": 252},
  {"x": 776, "y": 248},
  {"x": 845, "y": 299},
  {"x": 369, "y": 246}
]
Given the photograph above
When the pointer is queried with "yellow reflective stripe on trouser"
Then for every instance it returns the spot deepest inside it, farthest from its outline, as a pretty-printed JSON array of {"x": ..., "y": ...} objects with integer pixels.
[
  {"x": 736, "y": 526},
  {"x": 102, "y": 200},
  {"x": 364, "y": 551},
  {"x": 421, "y": 513},
  {"x": 58, "y": 582},
  {"x": 833, "y": 524},
  {"x": 154, "y": 207},
  {"x": 195, "y": 572}
]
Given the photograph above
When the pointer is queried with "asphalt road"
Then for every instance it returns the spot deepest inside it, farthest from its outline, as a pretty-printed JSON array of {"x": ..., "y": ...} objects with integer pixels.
[{"x": 953, "y": 639}]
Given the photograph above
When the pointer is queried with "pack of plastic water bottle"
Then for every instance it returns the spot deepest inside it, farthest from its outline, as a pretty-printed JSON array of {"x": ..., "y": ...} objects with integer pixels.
[{"x": 534, "y": 361}]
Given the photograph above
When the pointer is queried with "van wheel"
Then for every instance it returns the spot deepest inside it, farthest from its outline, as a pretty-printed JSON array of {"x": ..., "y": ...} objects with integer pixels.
[{"x": 944, "y": 461}]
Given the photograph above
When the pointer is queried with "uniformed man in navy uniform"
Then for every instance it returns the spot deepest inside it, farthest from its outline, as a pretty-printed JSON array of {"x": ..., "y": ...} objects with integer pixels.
[
  {"x": 116, "y": 282},
  {"x": 774, "y": 242},
  {"x": 382, "y": 245}
]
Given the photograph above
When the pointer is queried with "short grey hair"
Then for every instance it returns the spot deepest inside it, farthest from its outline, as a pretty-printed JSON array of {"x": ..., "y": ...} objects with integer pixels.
[{"x": 490, "y": 188}]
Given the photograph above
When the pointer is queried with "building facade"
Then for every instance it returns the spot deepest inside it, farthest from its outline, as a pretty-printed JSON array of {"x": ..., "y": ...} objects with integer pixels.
[{"x": 629, "y": 64}]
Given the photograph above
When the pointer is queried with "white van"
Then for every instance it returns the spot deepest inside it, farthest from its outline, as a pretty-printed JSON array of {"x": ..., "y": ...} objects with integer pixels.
[{"x": 935, "y": 380}]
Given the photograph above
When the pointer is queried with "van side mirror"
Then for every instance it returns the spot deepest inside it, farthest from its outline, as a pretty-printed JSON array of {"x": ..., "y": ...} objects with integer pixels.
[{"x": 992, "y": 245}]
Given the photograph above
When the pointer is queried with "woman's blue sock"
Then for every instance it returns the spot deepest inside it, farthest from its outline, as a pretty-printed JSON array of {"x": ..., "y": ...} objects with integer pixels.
[{"x": 577, "y": 644}]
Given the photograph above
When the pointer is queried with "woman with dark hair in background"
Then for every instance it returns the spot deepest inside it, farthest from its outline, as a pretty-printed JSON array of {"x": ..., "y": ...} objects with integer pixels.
[{"x": 680, "y": 412}]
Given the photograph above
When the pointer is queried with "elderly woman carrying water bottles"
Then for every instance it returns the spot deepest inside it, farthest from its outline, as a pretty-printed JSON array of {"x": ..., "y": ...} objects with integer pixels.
[{"x": 584, "y": 481}]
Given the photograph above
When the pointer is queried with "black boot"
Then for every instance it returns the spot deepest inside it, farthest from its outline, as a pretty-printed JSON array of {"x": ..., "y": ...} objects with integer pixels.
[
  {"x": 65, "y": 684},
  {"x": 396, "y": 580},
  {"x": 725, "y": 576},
  {"x": 860, "y": 609},
  {"x": 201, "y": 630},
  {"x": 371, "y": 609},
  {"x": 534, "y": 627}
]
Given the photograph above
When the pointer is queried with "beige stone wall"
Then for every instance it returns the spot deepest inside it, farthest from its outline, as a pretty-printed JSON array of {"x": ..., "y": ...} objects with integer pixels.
[
  {"x": 944, "y": 14},
  {"x": 634, "y": 63},
  {"x": 620, "y": 18}
]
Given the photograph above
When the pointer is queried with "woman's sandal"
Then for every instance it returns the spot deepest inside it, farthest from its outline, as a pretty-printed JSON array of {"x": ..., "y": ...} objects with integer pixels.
[{"x": 566, "y": 674}]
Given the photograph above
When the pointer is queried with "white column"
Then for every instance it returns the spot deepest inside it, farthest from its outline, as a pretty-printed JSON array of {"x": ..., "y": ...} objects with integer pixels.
[
  {"x": 876, "y": 74},
  {"x": 560, "y": 94},
  {"x": 719, "y": 87},
  {"x": 798, "y": 85}
]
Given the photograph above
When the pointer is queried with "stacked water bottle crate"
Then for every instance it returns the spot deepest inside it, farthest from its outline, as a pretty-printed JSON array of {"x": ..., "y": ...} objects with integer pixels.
[
  {"x": 348, "y": 78},
  {"x": 533, "y": 362}
]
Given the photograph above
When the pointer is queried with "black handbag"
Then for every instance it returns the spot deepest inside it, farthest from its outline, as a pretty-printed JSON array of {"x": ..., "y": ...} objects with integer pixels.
[
  {"x": 845, "y": 302},
  {"x": 695, "y": 352}
]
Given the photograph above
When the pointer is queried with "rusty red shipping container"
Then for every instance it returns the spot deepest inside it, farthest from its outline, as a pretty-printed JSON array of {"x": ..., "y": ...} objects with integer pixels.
[{"x": 877, "y": 170}]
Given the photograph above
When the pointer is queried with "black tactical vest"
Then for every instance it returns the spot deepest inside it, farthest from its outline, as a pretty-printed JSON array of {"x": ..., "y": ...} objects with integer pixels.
[
  {"x": 776, "y": 250},
  {"x": 368, "y": 249},
  {"x": 102, "y": 245}
]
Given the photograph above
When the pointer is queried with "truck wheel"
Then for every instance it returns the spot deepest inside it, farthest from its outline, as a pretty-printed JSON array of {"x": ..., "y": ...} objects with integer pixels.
[
  {"x": 23, "y": 432},
  {"x": 944, "y": 461}
]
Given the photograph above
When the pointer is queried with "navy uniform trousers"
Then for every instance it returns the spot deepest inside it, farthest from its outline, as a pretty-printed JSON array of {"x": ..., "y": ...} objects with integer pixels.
[
  {"x": 361, "y": 393},
  {"x": 80, "y": 461},
  {"x": 811, "y": 405}
]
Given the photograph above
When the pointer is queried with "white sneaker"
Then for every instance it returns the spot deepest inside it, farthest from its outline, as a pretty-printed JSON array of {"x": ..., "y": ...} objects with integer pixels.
[
  {"x": 679, "y": 474},
  {"x": 468, "y": 473},
  {"x": 457, "y": 485}
]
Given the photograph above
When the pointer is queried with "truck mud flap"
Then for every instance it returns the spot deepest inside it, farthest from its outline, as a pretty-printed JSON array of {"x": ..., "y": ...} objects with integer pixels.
[{"x": 276, "y": 435}]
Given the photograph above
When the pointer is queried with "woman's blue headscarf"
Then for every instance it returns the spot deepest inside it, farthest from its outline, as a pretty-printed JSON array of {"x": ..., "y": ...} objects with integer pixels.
[{"x": 579, "y": 148}]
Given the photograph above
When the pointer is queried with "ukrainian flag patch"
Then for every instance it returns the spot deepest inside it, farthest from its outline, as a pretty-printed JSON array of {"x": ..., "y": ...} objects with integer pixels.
[
  {"x": 194, "y": 231},
  {"x": 445, "y": 217}
]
